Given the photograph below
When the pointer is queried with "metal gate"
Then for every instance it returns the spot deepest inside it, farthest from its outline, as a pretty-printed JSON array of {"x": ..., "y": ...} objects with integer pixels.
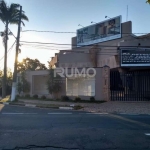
[{"x": 130, "y": 86}]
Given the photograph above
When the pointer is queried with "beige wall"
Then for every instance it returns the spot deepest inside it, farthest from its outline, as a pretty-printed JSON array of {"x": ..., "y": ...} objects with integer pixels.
[
  {"x": 75, "y": 60},
  {"x": 38, "y": 79},
  {"x": 38, "y": 83},
  {"x": 99, "y": 92},
  {"x": 54, "y": 60}
]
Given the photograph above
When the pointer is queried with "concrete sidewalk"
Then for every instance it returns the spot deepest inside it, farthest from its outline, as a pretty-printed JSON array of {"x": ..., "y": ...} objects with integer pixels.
[
  {"x": 120, "y": 107},
  {"x": 108, "y": 107}
]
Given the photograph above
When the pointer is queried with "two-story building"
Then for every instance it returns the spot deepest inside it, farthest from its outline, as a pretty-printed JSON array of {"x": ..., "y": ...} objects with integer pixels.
[{"x": 113, "y": 50}]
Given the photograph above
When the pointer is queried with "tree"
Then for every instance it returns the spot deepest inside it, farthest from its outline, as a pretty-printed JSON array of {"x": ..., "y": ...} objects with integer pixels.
[
  {"x": 9, "y": 14},
  {"x": 23, "y": 85},
  {"x": 148, "y": 1},
  {"x": 30, "y": 64},
  {"x": 9, "y": 75},
  {"x": 54, "y": 84},
  {"x": 9, "y": 81}
]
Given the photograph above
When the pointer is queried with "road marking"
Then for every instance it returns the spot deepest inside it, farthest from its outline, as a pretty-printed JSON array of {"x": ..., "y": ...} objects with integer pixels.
[
  {"x": 148, "y": 134},
  {"x": 129, "y": 120},
  {"x": 30, "y": 113},
  {"x": 30, "y": 105},
  {"x": 19, "y": 113},
  {"x": 97, "y": 113},
  {"x": 59, "y": 113},
  {"x": 12, "y": 113},
  {"x": 5, "y": 103},
  {"x": 66, "y": 108},
  {"x": 128, "y": 114}
]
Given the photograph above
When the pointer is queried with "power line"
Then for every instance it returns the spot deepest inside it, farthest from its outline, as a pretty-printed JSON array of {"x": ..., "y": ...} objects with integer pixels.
[
  {"x": 47, "y": 48},
  {"x": 10, "y": 31},
  {"x": 68, "y": 32},
  {"x": 8, "y": 50},
  {"x": 28, "y": 42},
  {"x": 79, "y": 45},
  {"x": 32, "y": 45},
  {"x": 73, "y": 51},
  {"x": 45, "y": 31}
]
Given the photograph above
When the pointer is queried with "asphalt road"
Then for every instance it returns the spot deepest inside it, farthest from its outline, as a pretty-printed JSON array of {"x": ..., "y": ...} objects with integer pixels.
[{"x": 49, "y": 129}]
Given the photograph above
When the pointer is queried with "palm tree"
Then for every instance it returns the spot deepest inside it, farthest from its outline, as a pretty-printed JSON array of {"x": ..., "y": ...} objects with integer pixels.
[
  {"x": 148, "y": 1},
  {"x": 9, "y": 14}
]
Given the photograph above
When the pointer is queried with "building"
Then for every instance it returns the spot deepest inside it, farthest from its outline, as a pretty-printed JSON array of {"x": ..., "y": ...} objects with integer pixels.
[{"x": 104, "y": 46}]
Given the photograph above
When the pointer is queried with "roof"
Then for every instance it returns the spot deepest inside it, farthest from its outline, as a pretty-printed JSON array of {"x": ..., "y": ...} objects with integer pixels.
[{"x": 141, "y": 36}]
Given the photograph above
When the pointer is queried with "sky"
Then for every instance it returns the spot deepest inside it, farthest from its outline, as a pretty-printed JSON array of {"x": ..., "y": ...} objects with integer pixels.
[{"x": 64, "y": 16}]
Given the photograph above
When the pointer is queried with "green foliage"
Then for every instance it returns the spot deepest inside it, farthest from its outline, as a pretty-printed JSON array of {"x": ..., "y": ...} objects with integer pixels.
[
  {"x": 19, "y": 87},
  {"x": 10, "y": 13},
  {"x": 43, "y": 97},
  {"x": 148, "y": 1},
  {"x": 54, "y": 83},
  {"x": 23, "y": 85},
  {"x": 27, "y": 96},
  {"x": 77, "y": 107},
  {"x": 35, "y": 96},
  {"x": 9, "y": 77},
  {"x": 92, "y": 99},
  {"x": 77, "y": 99},
  {"x": 17, "y": 96},
  {"x": 30, "y": 64},
  {"x": 65, "y": 98}
]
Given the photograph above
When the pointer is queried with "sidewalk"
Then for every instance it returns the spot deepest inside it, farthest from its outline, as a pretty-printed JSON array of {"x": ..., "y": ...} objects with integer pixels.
[
  {"x": 108, "y": 107},
  {"x": 120, "y": 107}
]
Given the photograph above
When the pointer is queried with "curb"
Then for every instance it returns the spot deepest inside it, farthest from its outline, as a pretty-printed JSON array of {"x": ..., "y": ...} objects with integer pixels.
[
  {"x": 68, "y": 108},
  {"x": 38, "y": 106}
]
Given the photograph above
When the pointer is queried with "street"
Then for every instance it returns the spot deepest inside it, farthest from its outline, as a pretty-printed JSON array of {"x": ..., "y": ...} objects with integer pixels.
[{"x": 54, "y": 129}]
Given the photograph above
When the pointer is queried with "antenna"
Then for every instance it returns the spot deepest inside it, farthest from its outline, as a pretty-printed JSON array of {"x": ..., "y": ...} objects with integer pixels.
[{"x": 127, "y": 14}]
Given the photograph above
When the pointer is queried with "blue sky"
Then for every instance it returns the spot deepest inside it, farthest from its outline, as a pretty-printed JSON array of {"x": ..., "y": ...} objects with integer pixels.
[{"x": 65, "y": 15}]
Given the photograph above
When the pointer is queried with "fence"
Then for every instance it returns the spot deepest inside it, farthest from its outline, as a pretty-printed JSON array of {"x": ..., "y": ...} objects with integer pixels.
[{"x": 130, "y": 86}]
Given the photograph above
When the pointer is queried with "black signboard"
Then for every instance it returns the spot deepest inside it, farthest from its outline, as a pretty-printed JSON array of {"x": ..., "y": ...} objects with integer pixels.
[{"x": 135, "y": 57}]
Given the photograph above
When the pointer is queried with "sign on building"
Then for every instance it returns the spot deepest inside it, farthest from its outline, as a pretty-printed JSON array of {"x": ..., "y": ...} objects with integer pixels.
[
  {"x": 99, "y": 32},
  {"x": 135, "y": 57}
]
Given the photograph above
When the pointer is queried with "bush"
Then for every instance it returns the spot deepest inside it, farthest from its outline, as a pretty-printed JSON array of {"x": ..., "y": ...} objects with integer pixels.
[
  {"x": 35, "y": 96},
  {"x": 43, "y": 97},
  {"x": 92, "y": 99},
  {"x": 27, "y": 96},
  {"x": 77, "y": 99},
  {"x": 65, "y": 98},
  {"x": 17, "y": 96}
]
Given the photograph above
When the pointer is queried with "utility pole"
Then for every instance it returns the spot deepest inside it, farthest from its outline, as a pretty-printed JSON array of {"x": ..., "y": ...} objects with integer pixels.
[
  {"x": 14, "y": 84},
  {"x": 4, "y": 80}
]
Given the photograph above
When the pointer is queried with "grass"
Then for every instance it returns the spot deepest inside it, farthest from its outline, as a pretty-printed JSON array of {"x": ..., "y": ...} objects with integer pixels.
[
  {"x": 77, "y": 107},
  {"x": 6, "y": 99}
]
